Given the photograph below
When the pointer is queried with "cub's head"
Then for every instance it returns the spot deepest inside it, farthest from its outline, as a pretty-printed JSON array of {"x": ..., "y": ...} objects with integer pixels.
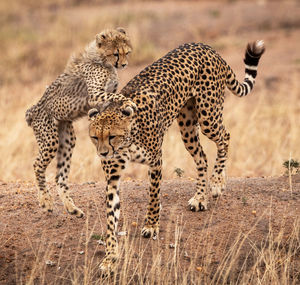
[
  {"x": 115, "y": 46},
  {"x": 110, "y": 127}
]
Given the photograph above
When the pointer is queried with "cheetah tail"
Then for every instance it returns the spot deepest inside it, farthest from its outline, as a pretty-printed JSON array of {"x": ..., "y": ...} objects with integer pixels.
[{"x": 253, "y": 53}]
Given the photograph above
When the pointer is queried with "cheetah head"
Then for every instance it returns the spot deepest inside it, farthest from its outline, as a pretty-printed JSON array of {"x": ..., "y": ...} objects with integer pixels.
[
  {"x": 115, "y": 46},
  {"x": 110, "y": 128}
]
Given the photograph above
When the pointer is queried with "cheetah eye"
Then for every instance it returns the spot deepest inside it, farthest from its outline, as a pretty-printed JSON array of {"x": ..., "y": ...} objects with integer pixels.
[
  {"x": 94, "y": 137},
  {"x": 111, "y": 137},
  {"x": 127, "y": 53},
  {"x": 116, "y": 54}
]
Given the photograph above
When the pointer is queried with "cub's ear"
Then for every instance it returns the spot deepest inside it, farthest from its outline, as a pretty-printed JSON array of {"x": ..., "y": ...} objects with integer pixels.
[
  {"x": 92, "y": 114},
  {"x": 121, "y": 30},
  {"x": 100, "y": 38},
  {"x": 128, "y": 111}
]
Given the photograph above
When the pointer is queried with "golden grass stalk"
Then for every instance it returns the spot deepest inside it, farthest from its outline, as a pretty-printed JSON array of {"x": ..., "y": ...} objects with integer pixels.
[{"x": 244, "y": 260}]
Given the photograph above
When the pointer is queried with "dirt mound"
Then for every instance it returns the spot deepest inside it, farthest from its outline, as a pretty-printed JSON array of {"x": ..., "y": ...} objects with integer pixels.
[{"x": 254, "y": 225}]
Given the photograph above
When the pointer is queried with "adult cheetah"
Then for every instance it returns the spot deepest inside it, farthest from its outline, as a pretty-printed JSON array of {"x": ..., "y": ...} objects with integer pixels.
[
  {"x": 187, "y": 84},
  {"x": 88, "y": 78}
]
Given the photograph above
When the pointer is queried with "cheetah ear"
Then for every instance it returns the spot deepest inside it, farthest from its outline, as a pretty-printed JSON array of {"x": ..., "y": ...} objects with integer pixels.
[
  {"x": 92, "y": 114},
  {"x": 121, "y": 30},
  {"x": 128, "y": 111},
  {"x": 100, "y": 38}
]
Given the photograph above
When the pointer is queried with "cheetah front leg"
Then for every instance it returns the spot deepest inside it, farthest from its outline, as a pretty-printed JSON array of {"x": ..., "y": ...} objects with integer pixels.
[
  {"x": 112, "y": 170},
  {"x": 66, "y": 144},
  {"x": 102, "y": 97},
  {"x": 100, "y": 93},
  {"x": 151, "y": 227}
]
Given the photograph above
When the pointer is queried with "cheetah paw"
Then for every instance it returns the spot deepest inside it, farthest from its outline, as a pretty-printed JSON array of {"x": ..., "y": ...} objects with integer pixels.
[
  {"x": 149, "y": 231},
  {"x": 46, "y": 201},
  {"x": 196, "y": 205},
  {"x": 217, "y": 184},
  {"x": 73, "y": 210},
  {"x": 216, "y": 189},
  {"x": 127, "y": 102},
  {"x": 107, "y": 266}
]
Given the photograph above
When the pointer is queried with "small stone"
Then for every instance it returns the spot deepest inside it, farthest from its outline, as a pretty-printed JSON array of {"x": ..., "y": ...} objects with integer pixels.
[
  {"x": 58, "y": 245},
  {"x": 50, "y": 263}
]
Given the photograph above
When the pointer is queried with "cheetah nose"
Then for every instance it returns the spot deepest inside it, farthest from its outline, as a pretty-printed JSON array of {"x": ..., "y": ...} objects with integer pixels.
[{"x": 104, "y": 153}]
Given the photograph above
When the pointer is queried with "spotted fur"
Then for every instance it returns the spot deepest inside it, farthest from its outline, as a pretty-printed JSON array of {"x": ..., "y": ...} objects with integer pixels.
[
  {"x": 88, "y": 78},
  {"x": 187, "y": 84}
]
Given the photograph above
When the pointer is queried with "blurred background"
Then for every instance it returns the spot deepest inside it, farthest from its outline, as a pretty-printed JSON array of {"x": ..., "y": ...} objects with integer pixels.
[{"x": 37, "y": 38}]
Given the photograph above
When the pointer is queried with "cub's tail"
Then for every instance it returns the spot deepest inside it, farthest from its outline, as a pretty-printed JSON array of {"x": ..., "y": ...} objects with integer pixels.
[{"x": 253, "y": 53}]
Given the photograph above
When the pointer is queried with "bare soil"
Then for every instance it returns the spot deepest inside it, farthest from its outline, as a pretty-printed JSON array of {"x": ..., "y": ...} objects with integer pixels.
[{"x": 249, "y": 206}]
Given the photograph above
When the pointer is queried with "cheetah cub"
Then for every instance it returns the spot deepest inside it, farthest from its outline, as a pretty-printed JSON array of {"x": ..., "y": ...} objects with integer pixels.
[{"x": 88, "y": 78}]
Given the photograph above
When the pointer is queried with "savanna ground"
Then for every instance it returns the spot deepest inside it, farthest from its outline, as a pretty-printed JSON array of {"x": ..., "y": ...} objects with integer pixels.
[{"x": 251, "y": 235}]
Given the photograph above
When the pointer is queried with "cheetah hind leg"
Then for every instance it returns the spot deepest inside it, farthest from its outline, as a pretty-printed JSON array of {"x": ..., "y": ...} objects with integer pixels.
[
  {"x": 64, "y": 154},
  {"x": 217, "y": 181},
  {"x": 47, "y": 138},
  {"x": 44, "y": 197},
  {"x": 188, "y": 125},
  {"x": 217, "y": 184},
  {"x": 45, "y": 200}
]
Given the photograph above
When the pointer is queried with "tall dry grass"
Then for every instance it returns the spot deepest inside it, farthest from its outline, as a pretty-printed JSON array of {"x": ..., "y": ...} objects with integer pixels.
[
  {"x": 243, "y": 260},
  {"x": 37, "y": 39}
]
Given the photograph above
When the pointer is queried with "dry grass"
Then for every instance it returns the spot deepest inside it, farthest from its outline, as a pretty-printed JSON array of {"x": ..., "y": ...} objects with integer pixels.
[
  {"x": 243, "y": 260},
  {"x": 37, "y": 40}
]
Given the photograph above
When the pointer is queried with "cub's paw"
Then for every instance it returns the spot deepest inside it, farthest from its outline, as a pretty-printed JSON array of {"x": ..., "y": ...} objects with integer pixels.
[
  {"x": 196, "y": 205},
  {"x": 72, "y": 209},
  {"x": 46, "y": 201},
  {"x": 149, "y": 231},
  {"x": 127, "y": 102},
  {"x": 77, "y": 212}
]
